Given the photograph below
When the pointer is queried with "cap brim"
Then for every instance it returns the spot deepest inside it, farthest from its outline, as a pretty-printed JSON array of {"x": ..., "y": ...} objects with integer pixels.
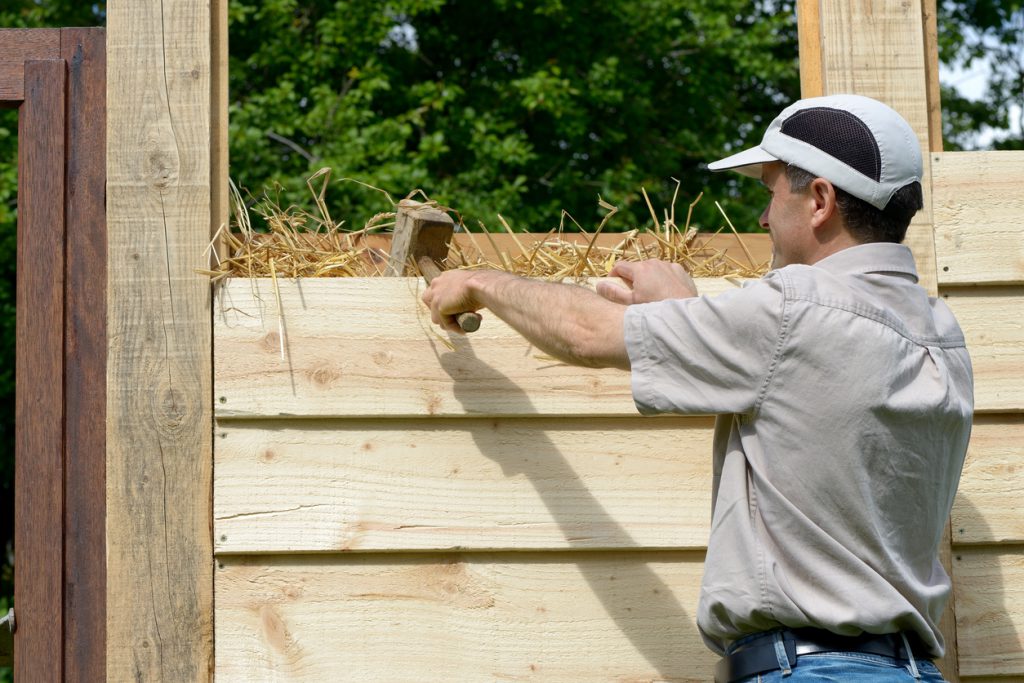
[{"x": 748, "y": 162}]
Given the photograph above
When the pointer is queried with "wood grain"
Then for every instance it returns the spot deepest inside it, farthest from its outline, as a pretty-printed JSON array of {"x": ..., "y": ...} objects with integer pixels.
[
  {"x": 987, "y": 507},
  {"x": 994, "y": 330},
  {"x": 362, "y": 347},
  {"x": 929, "y": 19},
  {"x": 808, "y": 15},
  {"x": 550, "y": 617},
  {"x": 989, "y": 586},
  {"x": 85, "y": 375},
  {"x": 24, "y": 44},
  {"x": 220, "y": 206},
  {"x": 979, "y": 217},
  {"x": 39, "y": 377},
  {"x": 12, "y": 82},
  {"x": 515, "y": 484},
  {"x": 159, "y": 430}
]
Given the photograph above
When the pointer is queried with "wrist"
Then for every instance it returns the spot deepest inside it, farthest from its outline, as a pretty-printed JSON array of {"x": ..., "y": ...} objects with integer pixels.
[{"x": 483, "y": 285}]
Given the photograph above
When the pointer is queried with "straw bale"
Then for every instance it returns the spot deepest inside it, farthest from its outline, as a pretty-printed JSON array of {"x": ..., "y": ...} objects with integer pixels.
[{"x": 297, "y": 242}]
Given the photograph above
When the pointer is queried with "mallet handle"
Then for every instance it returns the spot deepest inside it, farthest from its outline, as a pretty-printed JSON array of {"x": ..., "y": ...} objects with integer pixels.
[{"x": 469, "y": 321}]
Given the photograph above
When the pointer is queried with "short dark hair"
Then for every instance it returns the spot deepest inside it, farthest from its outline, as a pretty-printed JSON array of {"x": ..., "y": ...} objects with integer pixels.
[{"x": 865, "y": 222}]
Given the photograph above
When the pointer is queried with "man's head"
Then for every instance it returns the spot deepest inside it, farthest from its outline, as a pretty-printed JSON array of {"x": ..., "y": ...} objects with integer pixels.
[{"x": 853, "y": 167}]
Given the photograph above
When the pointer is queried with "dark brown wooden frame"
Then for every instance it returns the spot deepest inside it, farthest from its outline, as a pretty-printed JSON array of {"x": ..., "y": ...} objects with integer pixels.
[{"x": 57, "y": 80}]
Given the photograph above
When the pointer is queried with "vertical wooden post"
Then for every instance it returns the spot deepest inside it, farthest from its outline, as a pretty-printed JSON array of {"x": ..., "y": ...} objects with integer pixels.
[
  {"x": 808, "y": 18},
  {"x": 85, "y": 352},
  {"x": 39, "y": 377},
  {"x": 159, "y": 426},
  {"x": 929, "y": 17},
  {"x": 219, "y": 203}
]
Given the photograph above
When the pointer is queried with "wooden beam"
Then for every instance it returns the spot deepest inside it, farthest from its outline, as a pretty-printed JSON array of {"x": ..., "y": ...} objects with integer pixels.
[
  {"x": 929, "y": 18},
  {"x": 508, "y": 484},
  {"x": 987, "y": 503},
  {"x": 808, "y": 14},
  {"x": 979, "y": 217},
  {"x": 558, "y": 617},
  {"x": 85, "y": 375},
  {"x": 989, "y": 587},
  {"x": 12, "y": 83},
  {"x": 159, "y": 549},
  {"x": 24, "y": 44},
  {"x": 364, "y": 347},
  {"x": 990, "y": 318},
  {"x": 39, "y": 377},
  {"x": 220, "y": 206}
]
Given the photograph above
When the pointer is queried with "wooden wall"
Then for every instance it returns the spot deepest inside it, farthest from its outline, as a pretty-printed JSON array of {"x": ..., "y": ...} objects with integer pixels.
[
  {"x": 405, "y": 506},
  {"x": 979, "y": 242},
  {"x": 398, "y": 506}
]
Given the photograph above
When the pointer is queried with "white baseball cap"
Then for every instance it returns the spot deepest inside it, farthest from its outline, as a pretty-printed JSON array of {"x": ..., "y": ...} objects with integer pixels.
[{"x": 858, "y": 144}]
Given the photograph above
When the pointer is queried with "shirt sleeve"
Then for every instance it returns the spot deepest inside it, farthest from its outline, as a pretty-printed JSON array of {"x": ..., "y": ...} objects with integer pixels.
[{"x": 706, "y": 355}]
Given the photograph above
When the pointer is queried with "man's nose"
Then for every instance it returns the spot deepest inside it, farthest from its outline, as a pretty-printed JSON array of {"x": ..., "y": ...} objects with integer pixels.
[{"x": 763, "y": 220}]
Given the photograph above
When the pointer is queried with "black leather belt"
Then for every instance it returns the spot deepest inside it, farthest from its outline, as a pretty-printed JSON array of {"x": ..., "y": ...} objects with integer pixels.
[{"x": 758, "y": 655}]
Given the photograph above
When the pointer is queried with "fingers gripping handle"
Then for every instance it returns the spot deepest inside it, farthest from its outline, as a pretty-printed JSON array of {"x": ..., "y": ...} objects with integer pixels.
[{"x": 469, "y": 321}]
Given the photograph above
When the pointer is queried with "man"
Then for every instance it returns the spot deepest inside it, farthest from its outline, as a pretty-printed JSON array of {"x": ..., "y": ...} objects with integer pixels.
[{"x": 843, "y": 393}]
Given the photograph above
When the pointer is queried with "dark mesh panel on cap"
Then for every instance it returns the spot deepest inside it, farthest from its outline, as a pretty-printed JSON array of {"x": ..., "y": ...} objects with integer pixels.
[{"x": 839, "y": 134}]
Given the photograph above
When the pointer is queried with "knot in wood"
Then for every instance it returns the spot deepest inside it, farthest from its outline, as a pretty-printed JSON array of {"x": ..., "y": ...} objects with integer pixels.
[
  {"x": 174, "y": 411},
  {"x": 161, "y": 169}
]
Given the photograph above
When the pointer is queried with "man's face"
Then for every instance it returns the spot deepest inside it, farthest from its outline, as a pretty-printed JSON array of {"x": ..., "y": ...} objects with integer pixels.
[{"x": 786, "y": 218}]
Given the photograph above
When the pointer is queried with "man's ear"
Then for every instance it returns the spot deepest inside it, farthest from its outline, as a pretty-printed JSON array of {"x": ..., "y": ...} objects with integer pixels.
[{"x": 823, "y": 196}]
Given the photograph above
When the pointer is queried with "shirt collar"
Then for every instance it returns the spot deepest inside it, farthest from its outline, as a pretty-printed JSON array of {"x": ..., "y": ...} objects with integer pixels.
[{"x": 876, "y": 257}]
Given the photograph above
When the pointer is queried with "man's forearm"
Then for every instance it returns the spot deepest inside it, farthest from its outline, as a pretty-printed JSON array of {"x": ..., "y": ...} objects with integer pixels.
[{"x": 569, "y": 322}]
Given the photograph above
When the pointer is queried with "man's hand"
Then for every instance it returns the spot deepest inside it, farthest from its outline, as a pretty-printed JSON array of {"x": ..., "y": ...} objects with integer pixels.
[
  {"x": 647, "y": 281},
  {"x": 448, "y": 295}
]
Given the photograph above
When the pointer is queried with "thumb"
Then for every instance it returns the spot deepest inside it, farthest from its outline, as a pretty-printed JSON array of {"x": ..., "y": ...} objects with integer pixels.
[{"x": 614, "y": 293}]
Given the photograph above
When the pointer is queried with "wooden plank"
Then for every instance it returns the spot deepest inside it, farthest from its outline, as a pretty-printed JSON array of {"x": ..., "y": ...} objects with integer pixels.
[
  {"x": 516, "y": 484},
  {"x": 85, "y": 358},
  {"x": 552, "y": 616},
  {"x": 24, "y": 44},
  {"x": 994, "y": 330},
  {"x": 929, "y": 19},
  {"x": 12, "y": 83},
  {"x": 361, "y": 347},
  {"x": 220, "y": 207},
  {"x": 989, "y": 586},
  {"x": 877, "y": 49},
  {"x": 808, "y": 15},
  {"x": 159, "y": 427},
  {"x": 948, "y": 664},
  {"x": 987, "y": 503},
  {"x": 39, "y": 403},
  {"x": 979, "y": 217}
]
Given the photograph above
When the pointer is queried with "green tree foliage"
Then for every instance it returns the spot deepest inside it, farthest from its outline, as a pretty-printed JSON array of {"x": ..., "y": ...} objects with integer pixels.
[
  {"x": 972, "y": 31},
  {"x": 507, "y": 106}
]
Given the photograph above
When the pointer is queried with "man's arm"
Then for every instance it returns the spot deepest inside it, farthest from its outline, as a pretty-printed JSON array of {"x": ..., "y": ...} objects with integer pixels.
[{"x": 571, "y": 323}]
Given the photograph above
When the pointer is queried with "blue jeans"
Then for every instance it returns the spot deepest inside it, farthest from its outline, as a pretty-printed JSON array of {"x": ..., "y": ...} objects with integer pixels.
[{"x": 850, "y": 667}]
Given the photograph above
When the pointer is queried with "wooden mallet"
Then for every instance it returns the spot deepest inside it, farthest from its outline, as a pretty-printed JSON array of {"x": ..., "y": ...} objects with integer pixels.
[{"x": 423, "y": 234}]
